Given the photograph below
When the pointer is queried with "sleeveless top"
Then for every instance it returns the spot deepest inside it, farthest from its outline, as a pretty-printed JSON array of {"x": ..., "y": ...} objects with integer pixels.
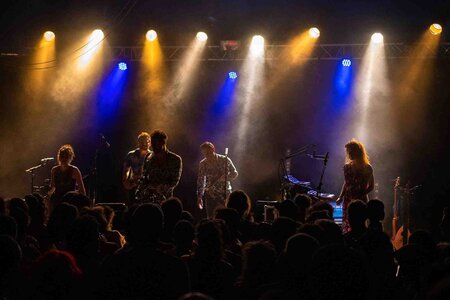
[
  {"x": 356, "y": 182},
  {"x": 64, "y": 182}
]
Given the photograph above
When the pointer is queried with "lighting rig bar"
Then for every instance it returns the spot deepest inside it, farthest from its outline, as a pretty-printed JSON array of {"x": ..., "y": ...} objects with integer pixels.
[{"x": 275, "y": 52}]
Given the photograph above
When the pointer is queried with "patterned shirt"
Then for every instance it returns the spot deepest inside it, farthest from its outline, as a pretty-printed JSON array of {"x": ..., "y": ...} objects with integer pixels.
[
  {"x": 167, "y": 174},
  {"x": 214, "y": 171}
]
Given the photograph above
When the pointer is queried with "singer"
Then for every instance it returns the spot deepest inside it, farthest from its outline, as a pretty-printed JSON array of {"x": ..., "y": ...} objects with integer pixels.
[
  {"x": 358, "y": 175},
  {"x": 65, "y": 177},
  {"x": 214, "y": 176}
]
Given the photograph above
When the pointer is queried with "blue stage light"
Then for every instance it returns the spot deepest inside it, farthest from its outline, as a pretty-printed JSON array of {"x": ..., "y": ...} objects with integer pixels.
[
  {"x": 346, "y": 62},
  {"x": 232, "y": 75},
  {"x": 122, "y": 66}
]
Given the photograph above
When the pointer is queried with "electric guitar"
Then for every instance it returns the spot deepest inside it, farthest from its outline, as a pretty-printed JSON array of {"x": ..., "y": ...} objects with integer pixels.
[{"x": 151, "y": 194}]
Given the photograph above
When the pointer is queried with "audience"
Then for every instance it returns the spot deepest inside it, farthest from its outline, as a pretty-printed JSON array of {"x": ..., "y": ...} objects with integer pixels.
[{"x": 162, "y": 252}]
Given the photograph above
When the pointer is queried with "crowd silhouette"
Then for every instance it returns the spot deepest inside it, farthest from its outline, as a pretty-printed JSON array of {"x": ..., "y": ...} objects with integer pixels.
[{"x": 149, "y": 251}]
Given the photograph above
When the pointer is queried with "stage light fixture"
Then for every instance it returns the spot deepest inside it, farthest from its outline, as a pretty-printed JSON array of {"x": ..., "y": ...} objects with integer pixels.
[
  {"x": 49, "y": 36},
  {"x": 97, "y": 35},
  {"x": 377, "y": 38},
  {"x": 232, "y": 75},
  {"x": 435, "y": 29},
  {"x": 122, "y": 66},
  {"x": 346, "y": 62},
  {"x": 314, "y": 32},
  {"x": 257, "y": 46},
  {"x": 201, "y": 36},
  {"x": 151, "y": 35}
]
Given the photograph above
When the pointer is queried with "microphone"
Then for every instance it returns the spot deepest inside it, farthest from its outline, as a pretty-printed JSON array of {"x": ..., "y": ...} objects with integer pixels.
[
  {"x": 318, "y": 156},
  {"x": 47, "y": 159},
  {"x": 226, "y": 151}
]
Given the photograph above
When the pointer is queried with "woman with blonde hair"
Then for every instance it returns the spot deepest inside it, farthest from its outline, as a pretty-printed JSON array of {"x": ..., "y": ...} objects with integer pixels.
[
  {"x": 64, "y": 176},
  {"x": 358, "y": 175}
]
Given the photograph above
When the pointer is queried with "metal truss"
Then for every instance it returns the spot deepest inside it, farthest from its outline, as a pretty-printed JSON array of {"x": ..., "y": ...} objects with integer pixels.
[{"x": 275, "y": 52}]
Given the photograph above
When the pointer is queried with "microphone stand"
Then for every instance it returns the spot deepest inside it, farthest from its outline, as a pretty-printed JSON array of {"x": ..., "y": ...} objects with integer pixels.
[
  {"x": 297, "y": 152},
  {"x": 319, "y": 187},
  {"x": 226, "y": 173}
]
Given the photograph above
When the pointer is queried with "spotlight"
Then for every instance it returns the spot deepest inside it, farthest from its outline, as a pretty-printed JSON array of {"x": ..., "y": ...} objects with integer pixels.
[
  {"x": 377, "y": 38},
  {"x": 151, "y": 35},
  {"x": 346, "y": 62},
  {"x": 122, "y": 66},
  {"x": 49, "y": 36},
  {"x": 97, "y": 35},
  {"x": 435, "y": 29},
  {"x": 314, "y": 32},
  {"x": 232, "y": 75},
  {"x": 257, "y": 45},
  {"x": 201, "y": 36}
]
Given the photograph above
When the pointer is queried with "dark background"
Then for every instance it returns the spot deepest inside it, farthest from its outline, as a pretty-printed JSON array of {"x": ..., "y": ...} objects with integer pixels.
[{"x": 298, "y": 112}]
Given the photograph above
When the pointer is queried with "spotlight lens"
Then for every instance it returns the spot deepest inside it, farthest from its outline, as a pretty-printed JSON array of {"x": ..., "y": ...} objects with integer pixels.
[
  {"x": 346, "y": 62},
  {"x": 257, "y": 45},
  {"x": 435, "y": 29},
  {"x": 151, "y": 35},
  {"x": 314, "y": 32},
  {"x": 377, "y": 38},
  {"x": 97, "y": 35},
  {"x": 49, "y": 36},
  {"x": 201, "y": 36},
  {"x": 122, "y": 66},
  {"x": 232, "y": 75}
]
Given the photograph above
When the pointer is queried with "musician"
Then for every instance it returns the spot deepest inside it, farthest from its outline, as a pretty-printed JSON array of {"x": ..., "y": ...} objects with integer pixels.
[
  {"x": 358, "y": 174},
  {"x": 162, "y": 169},
  {"x": 65, "y": 177},
  {"x": 211, "y": 191},
  {"x": 133, "y": 165}
]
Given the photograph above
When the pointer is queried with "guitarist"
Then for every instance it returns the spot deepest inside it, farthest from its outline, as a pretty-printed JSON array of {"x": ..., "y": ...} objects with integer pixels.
[
  {"x": 211, "y": 179},
  {"x": 134, "y": 163},
  {"x": 162, "y": 171}
]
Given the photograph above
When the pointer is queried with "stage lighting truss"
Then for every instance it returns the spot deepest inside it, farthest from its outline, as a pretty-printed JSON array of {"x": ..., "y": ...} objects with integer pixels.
[
  {"x": 272, "y": 52},
  {"x": 275, "y": 52}
]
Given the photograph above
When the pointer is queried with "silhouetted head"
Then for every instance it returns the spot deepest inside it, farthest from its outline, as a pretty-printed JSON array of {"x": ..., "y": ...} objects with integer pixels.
[
  {"x": 143, "y": 141},
  {"x": 146, "y": 225},
  {"x": 37, "y": 209},
  {"x": 258, "y": 263},
  {"x": 8, "y": 226},
  {"x": 323, "y": 205},
  {"x": 231, "y": 218},
  {"x": 299, "y": 251},
  {"x": 240, "y": 201},
  {"x": 375, "y": 210},
  {"x": 357, "y": 214},
  {"x": 83, "y": 237},
  {"x": 65, "y": 154},
  {"x": 337, "y": 272},
  {"x": 425, "y": 240},
  {"x": 77, "y": 199},
  {"x": 60, "y": 221},
  {"x": 55, "y": 275},
  {"x": 282, "y": 229},
  {"x": 158, "y": 140},
  {"x": 287, "y": 209},
  {"x": 355, "y": 152},
  {"x": 207, "y": 149},
  {"x": 332, "y": 233},
  {"x": 10, "y": 255},
  {"x": 209, "y": 240},
  {"x": 172, "y": 209},
  {"x": 183, "y": 233},
  {"x": 185, "y": 215},
  {"x": 313, "y": 230}
]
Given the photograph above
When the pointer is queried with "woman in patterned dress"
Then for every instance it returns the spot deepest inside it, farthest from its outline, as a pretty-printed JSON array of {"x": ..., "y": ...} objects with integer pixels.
[{"x": 359, "y": 181}]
